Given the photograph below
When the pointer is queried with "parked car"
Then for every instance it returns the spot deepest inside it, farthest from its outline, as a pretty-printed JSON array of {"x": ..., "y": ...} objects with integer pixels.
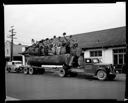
[{"x": 14, "y": 66}]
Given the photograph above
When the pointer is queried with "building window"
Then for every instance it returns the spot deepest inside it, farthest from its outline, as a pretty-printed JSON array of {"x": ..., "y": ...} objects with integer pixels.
[
  {"x": 119, "y": 56},
  {"x": 95, "y": 53},
  {"x": 119, "y": 50}
]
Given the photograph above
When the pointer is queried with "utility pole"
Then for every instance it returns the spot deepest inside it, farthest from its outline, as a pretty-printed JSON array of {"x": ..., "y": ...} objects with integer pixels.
[{"x": 12, "y": 37}]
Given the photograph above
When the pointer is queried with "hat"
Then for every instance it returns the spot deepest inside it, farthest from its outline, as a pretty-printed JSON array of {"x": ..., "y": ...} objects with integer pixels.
[{"x": 64, "y": 33}]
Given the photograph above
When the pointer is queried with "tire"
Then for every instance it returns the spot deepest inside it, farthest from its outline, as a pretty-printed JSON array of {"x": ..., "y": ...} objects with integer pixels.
[
  {"x": 17, "y": 70},
  {"x": 20, "y": 69},
  {"x": 63, "y": 71},
  {"x": 9, "y": 70},
  {"x": 31, "y": 70},
  {"x": 101, "y": 75},
  {"x": 111, "y": 77},
  {"x": 25, "y": 70}
]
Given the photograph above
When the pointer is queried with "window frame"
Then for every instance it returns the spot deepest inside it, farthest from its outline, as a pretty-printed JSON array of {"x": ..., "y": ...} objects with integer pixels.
[{"x": 96, "y": 53}]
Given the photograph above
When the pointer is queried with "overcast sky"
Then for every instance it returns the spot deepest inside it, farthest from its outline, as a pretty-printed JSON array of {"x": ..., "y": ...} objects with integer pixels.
[{"x": 46, "y": 20}]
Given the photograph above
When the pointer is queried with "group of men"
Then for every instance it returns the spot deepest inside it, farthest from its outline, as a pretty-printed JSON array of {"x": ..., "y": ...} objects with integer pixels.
[
  {"x": 54, "y": 46},
  {"x": 57, "y": 46}
]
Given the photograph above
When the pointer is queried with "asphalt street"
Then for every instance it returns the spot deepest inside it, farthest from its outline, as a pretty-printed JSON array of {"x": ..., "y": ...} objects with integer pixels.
[{"x": 51, "y": 86}]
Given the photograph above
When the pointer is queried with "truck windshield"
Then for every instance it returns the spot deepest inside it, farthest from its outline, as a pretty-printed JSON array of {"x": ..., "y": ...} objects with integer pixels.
[
  {"x": 96, "y": 61},
  {"x": 17, "y": 62}
]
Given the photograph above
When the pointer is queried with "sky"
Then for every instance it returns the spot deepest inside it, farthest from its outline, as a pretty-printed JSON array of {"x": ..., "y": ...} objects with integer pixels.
[{"x": 40, "y": 21}]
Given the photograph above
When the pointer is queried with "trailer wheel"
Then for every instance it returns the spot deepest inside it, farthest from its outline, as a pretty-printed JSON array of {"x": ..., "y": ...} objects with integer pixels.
[
  {"x": 31, "y": 70},
  {"x": 25, "y": 70},
  {"x": 101, "y": 75},
  {"x": 63, "y": 71}
]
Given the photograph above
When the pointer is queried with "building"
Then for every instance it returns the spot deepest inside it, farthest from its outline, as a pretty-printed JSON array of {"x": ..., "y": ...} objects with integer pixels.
[
  {"x": 17, "y": 48},
  {"x": 109, "y": 45}
]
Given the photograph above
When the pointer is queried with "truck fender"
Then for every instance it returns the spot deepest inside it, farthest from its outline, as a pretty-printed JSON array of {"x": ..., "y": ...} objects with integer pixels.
[{"x": 100, "y": 69}]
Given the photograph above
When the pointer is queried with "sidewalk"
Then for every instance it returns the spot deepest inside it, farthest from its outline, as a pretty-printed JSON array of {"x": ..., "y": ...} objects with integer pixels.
[
  {"x": 121, "y": 76},
  {"x": 10, "y": 98}
]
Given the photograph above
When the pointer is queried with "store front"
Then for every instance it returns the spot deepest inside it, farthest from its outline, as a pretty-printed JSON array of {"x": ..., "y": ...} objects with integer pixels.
[{"x": 119, "y": 56}]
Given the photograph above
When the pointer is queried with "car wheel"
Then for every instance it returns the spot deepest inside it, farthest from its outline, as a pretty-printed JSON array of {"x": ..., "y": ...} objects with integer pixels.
[
  {"x": 19, "y": 70},
  {"x": 25, "y": 70},
  {"x": 101, "y": 75}
]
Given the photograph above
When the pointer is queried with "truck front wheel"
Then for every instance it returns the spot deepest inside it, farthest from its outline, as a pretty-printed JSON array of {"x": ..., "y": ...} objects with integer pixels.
[{"x": 101, "y": 75}]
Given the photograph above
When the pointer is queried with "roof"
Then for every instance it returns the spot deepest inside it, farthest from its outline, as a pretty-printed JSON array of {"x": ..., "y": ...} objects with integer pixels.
[{"x": 104, "y": 38}]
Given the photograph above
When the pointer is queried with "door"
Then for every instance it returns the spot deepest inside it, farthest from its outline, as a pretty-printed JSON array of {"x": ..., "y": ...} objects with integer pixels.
[{"x": 89, "y": 67}]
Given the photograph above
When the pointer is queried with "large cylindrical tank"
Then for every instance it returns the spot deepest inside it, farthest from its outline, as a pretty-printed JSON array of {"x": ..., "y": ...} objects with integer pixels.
[{"x": 49, "y": 60}]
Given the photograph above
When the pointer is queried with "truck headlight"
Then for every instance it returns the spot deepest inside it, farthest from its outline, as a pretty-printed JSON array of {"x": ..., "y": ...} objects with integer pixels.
[{"x": 108, "y": 67}]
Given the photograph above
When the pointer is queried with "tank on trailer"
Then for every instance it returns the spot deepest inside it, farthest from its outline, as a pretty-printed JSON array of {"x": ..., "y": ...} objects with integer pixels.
[{"x": 48, "y": 60}]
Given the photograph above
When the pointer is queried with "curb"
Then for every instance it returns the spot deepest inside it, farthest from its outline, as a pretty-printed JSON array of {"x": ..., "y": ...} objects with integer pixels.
[{"x": 10, "y": 98}]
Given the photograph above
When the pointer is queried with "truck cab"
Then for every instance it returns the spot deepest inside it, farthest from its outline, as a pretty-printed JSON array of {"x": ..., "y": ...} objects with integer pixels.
[{"x": 94, "y": 67}]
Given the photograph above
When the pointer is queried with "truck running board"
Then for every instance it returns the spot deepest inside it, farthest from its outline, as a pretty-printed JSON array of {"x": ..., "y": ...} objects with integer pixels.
[
  {"x": 52, "y": 66},
  {"x": 77, "y": 70}
]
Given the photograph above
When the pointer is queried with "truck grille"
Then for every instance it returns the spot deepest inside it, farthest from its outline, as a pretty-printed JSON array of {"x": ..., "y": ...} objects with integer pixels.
[{"x": 112, "y": 69}]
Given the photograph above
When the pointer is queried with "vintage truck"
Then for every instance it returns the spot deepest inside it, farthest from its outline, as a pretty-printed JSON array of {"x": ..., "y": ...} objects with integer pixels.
[{"x": 60, "y": 64}]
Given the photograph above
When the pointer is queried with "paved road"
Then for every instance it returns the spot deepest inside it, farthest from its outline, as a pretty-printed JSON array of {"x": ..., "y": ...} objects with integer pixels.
[{"x": 50, "y": 86}]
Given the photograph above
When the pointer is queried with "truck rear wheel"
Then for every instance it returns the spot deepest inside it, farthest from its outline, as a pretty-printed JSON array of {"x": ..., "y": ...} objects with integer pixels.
[
  {"x": 63, "y": 71},
  {"x": 25, "y": 70},
  {"x": 31, "y": 70}
]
